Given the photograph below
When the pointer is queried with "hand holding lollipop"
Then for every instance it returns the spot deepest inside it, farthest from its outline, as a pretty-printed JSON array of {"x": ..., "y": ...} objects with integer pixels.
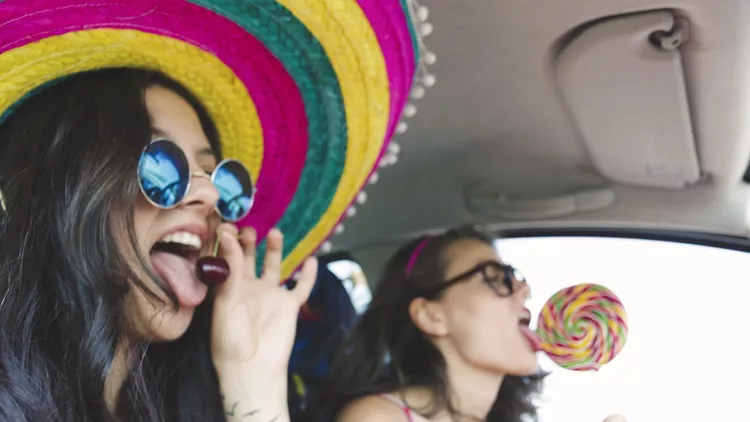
[{"x": 583, "y": 327}]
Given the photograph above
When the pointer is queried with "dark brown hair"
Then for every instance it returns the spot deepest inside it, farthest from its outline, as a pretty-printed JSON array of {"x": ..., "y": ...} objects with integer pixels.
[
  {"x": 68, "y": 159},
  {"x": 387, "y": 352}
]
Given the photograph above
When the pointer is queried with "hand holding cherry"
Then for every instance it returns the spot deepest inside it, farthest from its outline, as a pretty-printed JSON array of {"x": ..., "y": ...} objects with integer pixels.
[{"x": 254, "y": 317}]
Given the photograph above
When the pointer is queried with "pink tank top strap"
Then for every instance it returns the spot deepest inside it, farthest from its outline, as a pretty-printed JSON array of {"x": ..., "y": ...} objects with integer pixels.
[{"x": 400, "y": 404}]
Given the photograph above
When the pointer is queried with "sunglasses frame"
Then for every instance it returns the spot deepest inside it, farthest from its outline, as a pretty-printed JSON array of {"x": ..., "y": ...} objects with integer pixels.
[{"x": 191, "y": 174}]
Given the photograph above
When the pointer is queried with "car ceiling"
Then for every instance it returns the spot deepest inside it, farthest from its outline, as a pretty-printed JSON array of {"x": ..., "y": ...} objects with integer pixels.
[{"x": 496, "y": 116}]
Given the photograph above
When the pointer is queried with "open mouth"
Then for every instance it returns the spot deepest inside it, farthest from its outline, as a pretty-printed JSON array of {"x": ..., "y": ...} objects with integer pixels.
[
  {"x": 174, "y": 257},
  {"x": 182, "y": 244}
]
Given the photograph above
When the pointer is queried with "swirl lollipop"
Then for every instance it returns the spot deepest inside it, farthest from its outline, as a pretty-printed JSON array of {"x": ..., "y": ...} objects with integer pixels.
[{"x": 583, "y": 327}]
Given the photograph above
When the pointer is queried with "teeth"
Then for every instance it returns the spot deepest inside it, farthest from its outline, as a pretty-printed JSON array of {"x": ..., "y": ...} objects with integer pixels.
[{"x": 183, "y": 238}]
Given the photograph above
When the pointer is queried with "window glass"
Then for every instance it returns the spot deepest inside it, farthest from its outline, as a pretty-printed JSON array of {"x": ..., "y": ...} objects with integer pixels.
[
  {"x": 354, "y": 281},
  {"x": 688, "y": 327}
]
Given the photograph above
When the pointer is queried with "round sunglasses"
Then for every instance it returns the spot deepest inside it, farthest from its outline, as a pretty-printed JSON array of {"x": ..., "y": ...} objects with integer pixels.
[{"x": 164, "y": 177}]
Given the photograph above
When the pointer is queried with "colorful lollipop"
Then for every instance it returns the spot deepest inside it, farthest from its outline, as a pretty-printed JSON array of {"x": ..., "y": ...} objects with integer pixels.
[{"x": 583, "y": 327}]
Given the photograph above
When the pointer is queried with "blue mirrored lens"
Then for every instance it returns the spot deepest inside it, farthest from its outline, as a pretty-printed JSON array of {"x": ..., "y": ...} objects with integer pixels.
[
  {"x": 235, "y": 188},
  {"x": 163, "y": 173}
]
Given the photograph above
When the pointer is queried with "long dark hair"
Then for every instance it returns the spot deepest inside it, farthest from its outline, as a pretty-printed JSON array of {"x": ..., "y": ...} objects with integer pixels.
[
  {"x": 68, "y": 159},
  {"x": 386, "y": 351}
]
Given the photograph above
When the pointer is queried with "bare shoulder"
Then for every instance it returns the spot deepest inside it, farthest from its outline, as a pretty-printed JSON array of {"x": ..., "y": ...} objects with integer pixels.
[{"x": 371, "y": 409}]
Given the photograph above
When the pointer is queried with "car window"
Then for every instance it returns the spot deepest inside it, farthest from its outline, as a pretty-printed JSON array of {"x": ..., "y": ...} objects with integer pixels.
[
  {"x": 688, "y": 330},
  {"x": 353, "y": 278}
]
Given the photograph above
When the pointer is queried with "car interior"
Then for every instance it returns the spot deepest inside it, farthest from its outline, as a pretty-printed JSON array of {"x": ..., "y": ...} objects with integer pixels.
[{"x": 621, "y": 120}]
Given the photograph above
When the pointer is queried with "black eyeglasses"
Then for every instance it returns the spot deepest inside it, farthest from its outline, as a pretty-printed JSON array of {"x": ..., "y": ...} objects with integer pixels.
[{"x": 503, "y": 279}]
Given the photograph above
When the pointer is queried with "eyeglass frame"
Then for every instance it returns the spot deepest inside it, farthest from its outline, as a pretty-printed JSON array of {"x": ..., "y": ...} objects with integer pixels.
[{"x": 509, "y": 274}]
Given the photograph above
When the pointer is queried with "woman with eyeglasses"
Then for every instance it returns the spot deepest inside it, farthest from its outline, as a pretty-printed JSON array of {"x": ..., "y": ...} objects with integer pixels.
[
  {"x": 445, "y": 338},
  {"x": 445, "y": 332}
]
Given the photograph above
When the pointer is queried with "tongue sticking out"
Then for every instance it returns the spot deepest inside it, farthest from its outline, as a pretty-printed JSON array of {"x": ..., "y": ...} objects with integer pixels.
[
  {"x": 179, "y": 274},
  {"x": 532, "y": 338}
]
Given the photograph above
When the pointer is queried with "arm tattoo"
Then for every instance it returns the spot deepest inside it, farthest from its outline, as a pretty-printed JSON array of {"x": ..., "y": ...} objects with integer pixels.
[{"x": 231, "y": 412}]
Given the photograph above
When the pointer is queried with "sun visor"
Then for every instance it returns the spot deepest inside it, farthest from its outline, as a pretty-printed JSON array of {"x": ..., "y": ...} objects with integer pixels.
[{"x": 623, "y": 84}]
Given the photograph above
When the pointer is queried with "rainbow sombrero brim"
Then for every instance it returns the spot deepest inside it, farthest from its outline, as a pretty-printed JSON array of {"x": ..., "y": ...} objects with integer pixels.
[{"x": 307, "y": 93}]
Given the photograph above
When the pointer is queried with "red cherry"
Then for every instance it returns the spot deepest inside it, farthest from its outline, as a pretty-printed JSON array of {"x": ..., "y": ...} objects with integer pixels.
[{"x": 212, "y": 270}]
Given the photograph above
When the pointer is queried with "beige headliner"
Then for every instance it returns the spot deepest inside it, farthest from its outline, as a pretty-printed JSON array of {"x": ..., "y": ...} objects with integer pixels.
[{"x": 495, "y": 114}]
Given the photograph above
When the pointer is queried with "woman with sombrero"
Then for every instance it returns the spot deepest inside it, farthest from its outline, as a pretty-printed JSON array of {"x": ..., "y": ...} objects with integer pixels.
[{"x": 146, "y": 147}]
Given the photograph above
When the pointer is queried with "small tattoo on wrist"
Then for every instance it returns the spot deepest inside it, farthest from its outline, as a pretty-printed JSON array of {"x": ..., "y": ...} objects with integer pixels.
[{"x": 231, "y": 412}]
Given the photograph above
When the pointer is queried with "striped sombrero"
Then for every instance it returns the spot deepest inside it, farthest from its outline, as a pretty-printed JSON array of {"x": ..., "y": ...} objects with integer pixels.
[{"x": 306, "y": 93}]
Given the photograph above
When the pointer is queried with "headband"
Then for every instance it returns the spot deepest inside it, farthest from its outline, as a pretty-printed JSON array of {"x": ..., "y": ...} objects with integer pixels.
[{"x": 415, "y": 256}]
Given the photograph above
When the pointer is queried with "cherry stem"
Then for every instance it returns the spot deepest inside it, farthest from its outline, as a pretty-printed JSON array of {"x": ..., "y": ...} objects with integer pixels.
[
  {"x": 217, "y": 241},
  {"x": 216, "y": 246}
]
